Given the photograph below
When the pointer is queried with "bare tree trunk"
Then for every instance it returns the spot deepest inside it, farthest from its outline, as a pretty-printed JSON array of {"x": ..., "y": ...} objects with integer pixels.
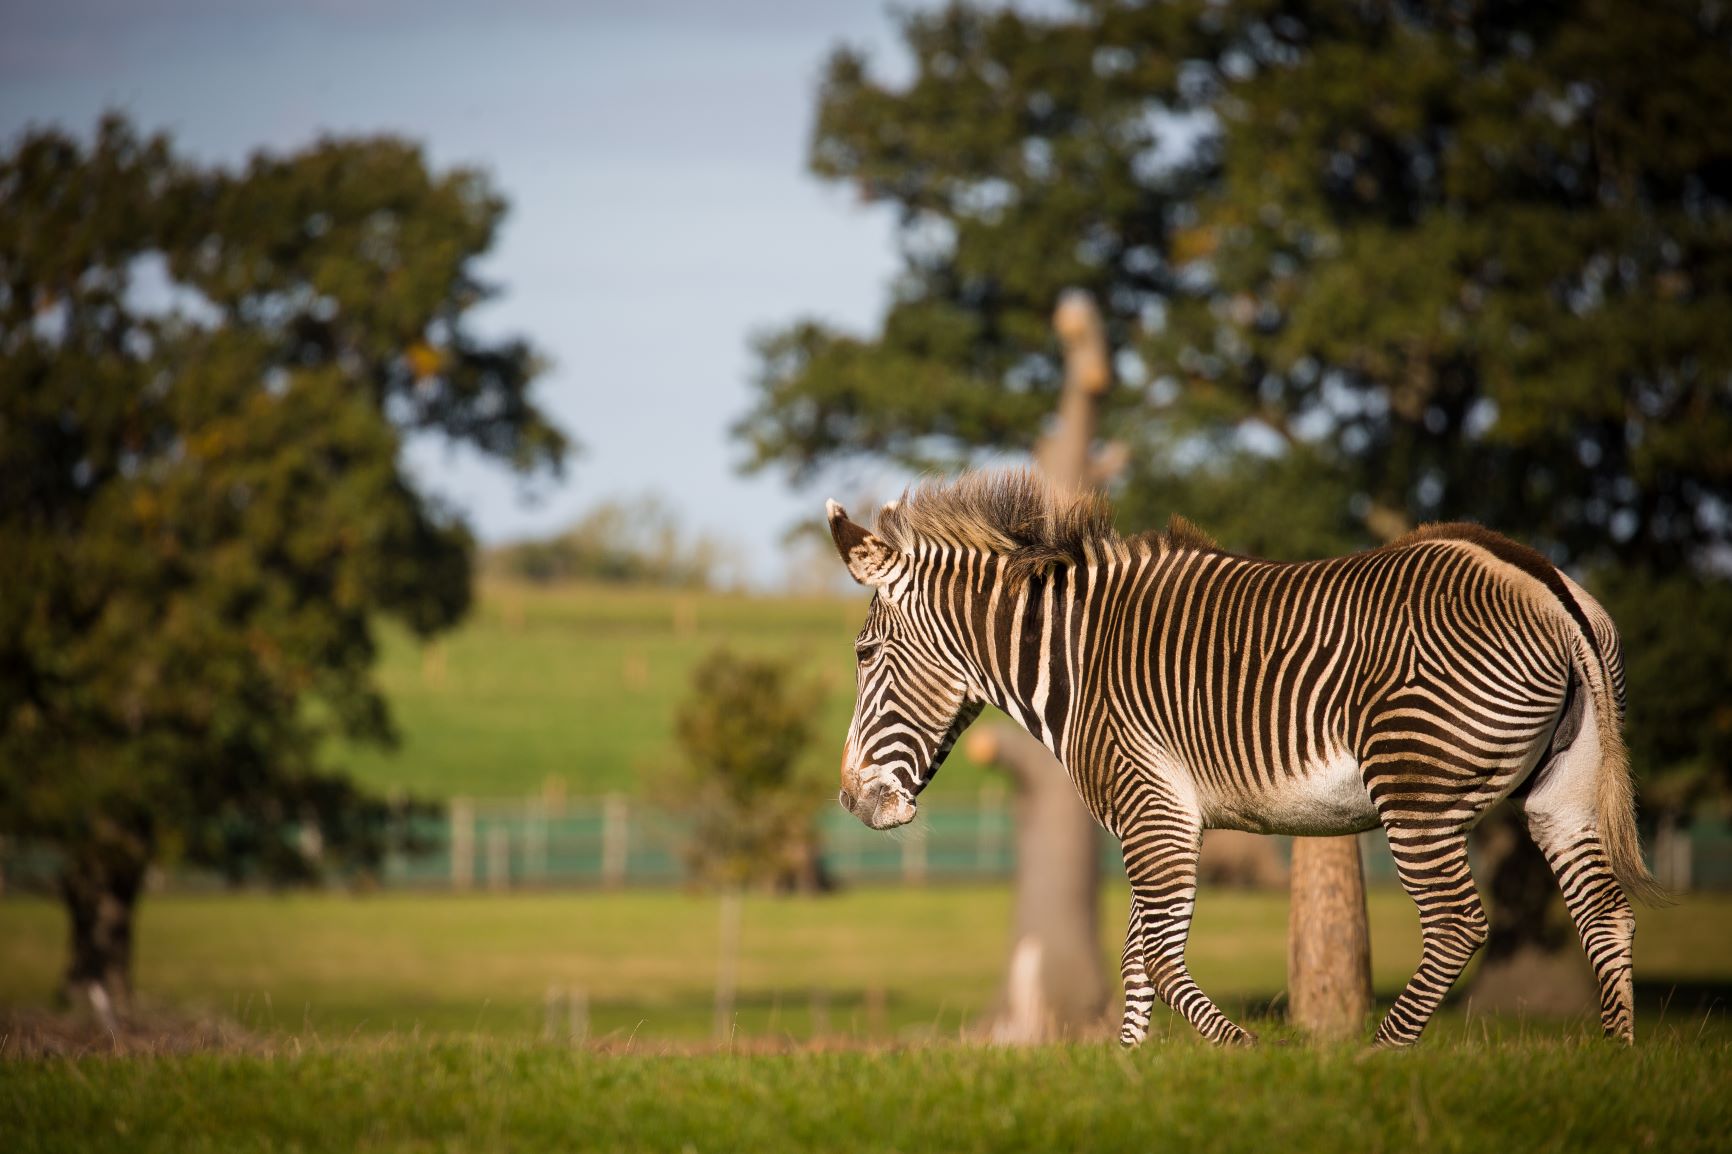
[
  {"x": 1328, "y": 930},
  {"x": 100, "y": 886},
  {"x": 1530, "y": 963},
  {"x": 1055, "y": 984},
  {"x": 1328, "y": 939},
  {"x": 803, "y": 870}
]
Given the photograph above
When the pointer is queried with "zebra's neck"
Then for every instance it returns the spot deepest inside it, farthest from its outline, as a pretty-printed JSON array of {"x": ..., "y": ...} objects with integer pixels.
[{"x": 1023, "y": 638}]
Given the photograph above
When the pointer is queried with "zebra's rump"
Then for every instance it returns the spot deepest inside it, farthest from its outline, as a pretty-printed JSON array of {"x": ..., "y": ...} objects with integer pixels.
[{"x": 1293, "y": 696}]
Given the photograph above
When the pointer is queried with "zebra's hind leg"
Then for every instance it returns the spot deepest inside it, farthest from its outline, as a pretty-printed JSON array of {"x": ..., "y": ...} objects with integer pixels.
[
  {"x": 1162, "y": 867},
  {"x": 1602, "y": 913},
  {"x": 1433, "y": 870}
]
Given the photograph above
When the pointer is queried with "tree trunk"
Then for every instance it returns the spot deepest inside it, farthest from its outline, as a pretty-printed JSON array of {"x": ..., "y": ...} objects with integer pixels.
[
  {"x": 1530, "y": 963},
  {"x": 1055, "y": 985},
  {"x": 1328, "y": 929},
  {"x": 100, "y": 886},
  {"x": 802, "y": 869},
  {"x": 1328, "y": 940}
]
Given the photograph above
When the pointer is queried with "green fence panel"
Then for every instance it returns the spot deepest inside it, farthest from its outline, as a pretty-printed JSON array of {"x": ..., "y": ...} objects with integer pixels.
[{"x": 592, "y": 843}]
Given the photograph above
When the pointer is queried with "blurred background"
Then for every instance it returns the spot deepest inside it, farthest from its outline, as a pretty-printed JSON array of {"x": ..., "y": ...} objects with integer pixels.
[{"x": 414, "y": 610}]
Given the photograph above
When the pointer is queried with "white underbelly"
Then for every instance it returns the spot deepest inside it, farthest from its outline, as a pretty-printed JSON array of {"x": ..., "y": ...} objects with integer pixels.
[{"x": 1326, "y": 799}]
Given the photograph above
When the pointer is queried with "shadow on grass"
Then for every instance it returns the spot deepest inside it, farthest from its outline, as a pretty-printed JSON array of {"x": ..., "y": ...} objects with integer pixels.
[
  {"x": 1699, "y": 1003},
  {"x": 1684, "y": 999}
]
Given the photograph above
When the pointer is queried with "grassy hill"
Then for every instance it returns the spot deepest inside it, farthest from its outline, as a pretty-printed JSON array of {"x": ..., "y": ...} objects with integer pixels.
[{"x": 581, "y": 683}]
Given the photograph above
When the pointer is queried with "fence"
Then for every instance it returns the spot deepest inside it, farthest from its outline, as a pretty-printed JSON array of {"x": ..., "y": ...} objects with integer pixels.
[
  {"x": 612, "y": 841},
  {"x": 615, "y": 842}
]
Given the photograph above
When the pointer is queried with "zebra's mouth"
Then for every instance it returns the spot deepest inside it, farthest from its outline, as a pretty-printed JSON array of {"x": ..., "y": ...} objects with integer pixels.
[{"x": 879, "y": 808}]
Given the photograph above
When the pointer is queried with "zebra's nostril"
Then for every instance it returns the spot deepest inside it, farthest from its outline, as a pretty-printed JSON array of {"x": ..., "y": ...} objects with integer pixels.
[{"x": 847, "y": 800}]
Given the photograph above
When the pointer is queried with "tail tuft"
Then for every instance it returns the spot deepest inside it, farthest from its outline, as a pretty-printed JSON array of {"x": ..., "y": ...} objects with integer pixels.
[{"x": 1615, "y": 795}]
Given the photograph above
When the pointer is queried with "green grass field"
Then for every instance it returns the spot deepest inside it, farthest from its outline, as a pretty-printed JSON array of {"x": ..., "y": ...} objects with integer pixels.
[
  {"x": 407, "y": 1022},
  {"x": 1515, "y": 1095},
  {"x": 884, "y": 964},
  {"x": 581, "y": 683}
]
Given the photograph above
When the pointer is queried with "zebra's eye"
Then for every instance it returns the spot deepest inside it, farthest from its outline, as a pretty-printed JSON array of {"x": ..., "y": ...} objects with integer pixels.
[{"x": 866, "y": 652}]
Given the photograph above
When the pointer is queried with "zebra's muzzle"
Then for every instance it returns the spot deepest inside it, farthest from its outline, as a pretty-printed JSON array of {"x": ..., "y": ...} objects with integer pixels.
[{"x": 878, "y": 807}]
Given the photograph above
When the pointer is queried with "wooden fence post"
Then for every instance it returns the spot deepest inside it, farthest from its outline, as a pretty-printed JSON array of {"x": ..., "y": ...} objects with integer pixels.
[
  {"x": 498, "y": 858},
  {"x": 577, "y": 1014},
  {"x": 614, "y": 834},
  {"x": 727, "y": 963},
  {"x": 914, "y": 856},
  {"x": 989, "y": 830},
  {"x": 550, "y": 1014},
  {"x": 535, "y": 842},
  {"x": 462, "y": 843}
]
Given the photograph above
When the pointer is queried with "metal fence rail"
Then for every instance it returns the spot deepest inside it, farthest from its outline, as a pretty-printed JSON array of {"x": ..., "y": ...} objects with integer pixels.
[{"x": 502, "y": 844}]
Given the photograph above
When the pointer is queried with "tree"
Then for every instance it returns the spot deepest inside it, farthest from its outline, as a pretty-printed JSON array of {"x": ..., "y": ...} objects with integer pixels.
[
  {"x": 1362, "y": 266},
  {"x": 635, "y": 542},
  {"x": 1476, "y": 261},
  {"x": 743, "y": 729},
  {"x": 206, "y": 377},
  {"x": 1019, "y": 170}
]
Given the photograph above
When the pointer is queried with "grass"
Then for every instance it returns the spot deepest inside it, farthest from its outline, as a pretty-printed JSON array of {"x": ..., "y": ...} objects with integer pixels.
[
  {"x": 581, "y": 683},
  {"x": 889, "y": 964},
  {"x": 1508, "y": 1095},
  {"x": 412, "y": 1022}
]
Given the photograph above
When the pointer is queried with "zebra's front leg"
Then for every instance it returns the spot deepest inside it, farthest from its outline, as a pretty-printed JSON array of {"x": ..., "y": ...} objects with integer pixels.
[
  {"x": 1139, "y": 991},
  {"x": 1163, "y": 875}
]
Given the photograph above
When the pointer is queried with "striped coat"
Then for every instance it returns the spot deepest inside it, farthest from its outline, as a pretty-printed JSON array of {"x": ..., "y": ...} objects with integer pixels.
[{"x": 1185, "y": 688}]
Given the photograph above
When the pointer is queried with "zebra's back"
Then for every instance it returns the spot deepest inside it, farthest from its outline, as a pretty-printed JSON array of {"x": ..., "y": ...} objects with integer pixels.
[{"x": 1272, "y": 684}]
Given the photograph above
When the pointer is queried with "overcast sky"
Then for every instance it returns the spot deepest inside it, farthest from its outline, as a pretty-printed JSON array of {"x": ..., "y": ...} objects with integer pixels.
[{"x": 654, "y": 155}]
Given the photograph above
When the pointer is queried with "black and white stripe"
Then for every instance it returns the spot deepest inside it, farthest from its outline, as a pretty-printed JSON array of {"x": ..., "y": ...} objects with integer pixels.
[{"x": 1185, "y": 688}]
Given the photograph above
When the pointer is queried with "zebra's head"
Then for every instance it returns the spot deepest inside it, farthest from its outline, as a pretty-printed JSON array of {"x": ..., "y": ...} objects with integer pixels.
[{"x": 911, "y": 700}]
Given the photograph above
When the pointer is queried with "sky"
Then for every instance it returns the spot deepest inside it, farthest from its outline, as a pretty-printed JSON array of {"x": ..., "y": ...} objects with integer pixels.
[{"x": 653, "y": 152}]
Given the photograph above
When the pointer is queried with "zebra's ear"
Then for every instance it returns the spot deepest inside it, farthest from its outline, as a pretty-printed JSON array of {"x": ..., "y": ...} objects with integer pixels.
[{"x": 869, "y": 559}]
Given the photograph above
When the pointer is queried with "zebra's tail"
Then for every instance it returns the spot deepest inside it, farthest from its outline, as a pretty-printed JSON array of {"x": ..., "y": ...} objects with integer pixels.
[{"x": 1614, "y": 793}]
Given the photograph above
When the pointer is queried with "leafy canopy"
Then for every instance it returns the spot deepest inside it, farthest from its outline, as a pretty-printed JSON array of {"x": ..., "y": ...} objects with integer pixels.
[{"x": 206, "y": 379}]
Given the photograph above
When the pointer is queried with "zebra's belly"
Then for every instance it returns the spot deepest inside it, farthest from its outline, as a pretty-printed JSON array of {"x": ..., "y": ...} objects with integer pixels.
[{"x": 1323, "y": 800}]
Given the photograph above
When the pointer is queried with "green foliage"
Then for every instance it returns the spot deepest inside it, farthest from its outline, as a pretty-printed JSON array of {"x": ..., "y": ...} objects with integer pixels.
[
  {"x": 1674, "y": 631},
  {"x": 1482, "y": 258},
  {"x": 204, "y": 511},
  {"x": 1414, "y": 263},
  {"x": 1293, "y": 506},
  {"x": 1019, "y": 168},
  {"x": 742, "y": 730},
  {"x": 635, "y": 542}
]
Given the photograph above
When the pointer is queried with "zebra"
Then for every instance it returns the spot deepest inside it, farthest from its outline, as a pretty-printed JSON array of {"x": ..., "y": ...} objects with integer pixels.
[{"x": 1183, "y": 687}]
